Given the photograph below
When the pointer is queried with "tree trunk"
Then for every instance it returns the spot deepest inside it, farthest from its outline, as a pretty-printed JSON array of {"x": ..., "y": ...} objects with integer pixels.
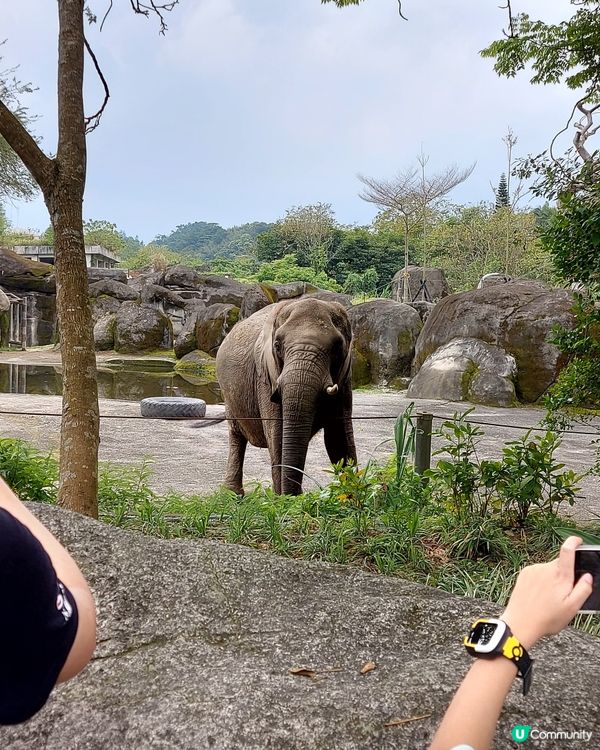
[{"x": 79, "y": 435}]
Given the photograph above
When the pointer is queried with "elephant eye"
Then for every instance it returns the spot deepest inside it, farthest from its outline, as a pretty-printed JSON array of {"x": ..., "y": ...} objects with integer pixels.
[{"x": 277, "y": 347}]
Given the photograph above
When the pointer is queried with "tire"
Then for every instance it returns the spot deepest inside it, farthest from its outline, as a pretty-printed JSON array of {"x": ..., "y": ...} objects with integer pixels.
[{"x": 173, "y": 407}]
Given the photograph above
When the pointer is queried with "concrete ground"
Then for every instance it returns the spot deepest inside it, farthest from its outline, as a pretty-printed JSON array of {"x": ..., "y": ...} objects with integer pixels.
[{"x": 193, "y": 460}]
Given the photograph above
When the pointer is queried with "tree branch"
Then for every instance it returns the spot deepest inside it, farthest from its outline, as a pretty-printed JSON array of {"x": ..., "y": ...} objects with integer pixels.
[
  {"x": 91, "y": 123},
  {"x": 153, "y": 7},
  {"x": 23, "y": 144},
  {"x": 108, "y": 10},
  {"x": 584, "y": 129},
  {"x": 511, "y": 21}
]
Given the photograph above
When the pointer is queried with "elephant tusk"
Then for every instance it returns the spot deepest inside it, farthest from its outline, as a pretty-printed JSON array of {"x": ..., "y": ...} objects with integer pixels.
[{"x": 332, "y": 390}]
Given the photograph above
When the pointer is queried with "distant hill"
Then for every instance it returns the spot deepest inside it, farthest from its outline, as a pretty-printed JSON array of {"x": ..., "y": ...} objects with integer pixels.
[{"x": 209, "y": 240}]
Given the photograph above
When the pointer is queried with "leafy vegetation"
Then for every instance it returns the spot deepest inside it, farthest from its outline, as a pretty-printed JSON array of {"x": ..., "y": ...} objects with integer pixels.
[
  {"x": 486, "y": 239},
  {"x": 466, "y": 526},
  {"x": 32, "y": 475},
  {"x": 15, "y": 180},
  {"x": 575, "y": 395},
  {"x": 567, "y": 52},
  {"x": 201, "y": 240},
  {"x": 572, "y": 239}
]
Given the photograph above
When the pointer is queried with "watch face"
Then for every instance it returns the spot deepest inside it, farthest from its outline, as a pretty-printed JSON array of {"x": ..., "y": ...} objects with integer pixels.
[{"x": 485, "y": 635}]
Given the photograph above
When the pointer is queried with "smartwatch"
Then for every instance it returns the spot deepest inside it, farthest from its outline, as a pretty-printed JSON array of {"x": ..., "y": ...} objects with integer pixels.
[{"x": 490, "y": 637}]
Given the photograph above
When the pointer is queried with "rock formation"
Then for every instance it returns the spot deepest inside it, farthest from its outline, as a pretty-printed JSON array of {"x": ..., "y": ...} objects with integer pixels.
[
  {"x": 516, "y": 316},
  {"x": 385, "y": 334},
  {"x": 196, "y": 640},
  {"x": 467, "y": 370}
]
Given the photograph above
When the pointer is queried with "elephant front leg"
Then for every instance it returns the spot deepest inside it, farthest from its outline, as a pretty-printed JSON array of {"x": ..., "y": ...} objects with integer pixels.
[
  {"x": 273, "y": 435},
  {"x": 235, "y": 461},
  {"x": 339, "y": 441}
]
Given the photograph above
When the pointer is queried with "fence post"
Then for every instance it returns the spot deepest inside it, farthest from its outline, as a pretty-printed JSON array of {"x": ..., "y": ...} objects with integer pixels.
[{"x": 423, "y": 442}]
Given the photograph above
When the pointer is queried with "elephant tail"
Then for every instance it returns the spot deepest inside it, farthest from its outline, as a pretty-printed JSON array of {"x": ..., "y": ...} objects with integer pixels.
[{"x": 209, "y": 421}]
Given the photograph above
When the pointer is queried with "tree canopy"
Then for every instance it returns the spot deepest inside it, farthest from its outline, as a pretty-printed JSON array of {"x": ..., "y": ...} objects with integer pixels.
[
  {"x": 207, "y": 240},
  {"x": 567, "y": 52},
  {"x": 15, "y": 179}
]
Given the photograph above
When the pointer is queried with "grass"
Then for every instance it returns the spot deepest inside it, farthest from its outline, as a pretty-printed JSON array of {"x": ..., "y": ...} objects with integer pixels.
[{"x": 384, "y": 519}]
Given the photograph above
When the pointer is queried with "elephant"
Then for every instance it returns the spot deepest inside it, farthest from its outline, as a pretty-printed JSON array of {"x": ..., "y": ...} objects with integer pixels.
[{"x": 285, "y": 374}]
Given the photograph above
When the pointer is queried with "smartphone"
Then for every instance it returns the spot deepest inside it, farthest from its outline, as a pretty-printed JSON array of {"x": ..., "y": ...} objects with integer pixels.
[{"x": 587, "y": 560}]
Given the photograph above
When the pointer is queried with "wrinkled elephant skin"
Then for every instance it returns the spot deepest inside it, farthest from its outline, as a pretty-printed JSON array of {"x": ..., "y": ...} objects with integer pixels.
[{"x": 285, "y": 374}]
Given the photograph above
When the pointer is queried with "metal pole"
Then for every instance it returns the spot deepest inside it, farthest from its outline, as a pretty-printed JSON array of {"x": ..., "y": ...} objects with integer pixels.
[{"x": 423, "y": 442}]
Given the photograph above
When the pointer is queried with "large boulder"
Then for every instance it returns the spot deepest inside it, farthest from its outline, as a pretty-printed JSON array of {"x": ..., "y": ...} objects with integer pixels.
[
  {"x": 435, "y": 279},
  {"x": 467, "y": 370},
  {"x": 22, "y": 273},
  {"x": 141, "y": 327},
  {"x": 220, "y": 289},
  {"x": 180, "y": 277},
  {"x": 140, "y": 279},
  {"x": 113, "y": 289},
  {"x": 491, "y": 279},
  {"x": 104, "y": 305},
  {"x": 4, "y": 302},
  {"x": 326, "y": 296},
  {"x": 516, "y": 316},
  {"x": 196, "y": 640},
  {"x": 209, "y": 288},
  {"x": 213, "y": 323},
  {"x": 114, "y": 274},
  {"x": 197, "y": 368},
  {"x": 153, "y": 293},
  {"x": 185, "y": 340},
  {"x": 424, "y": 308},
  {"x": 385, "y": 333},
  {"x": 257, "y": 297},
  {"x": 104, "y": 332},
  {"x": 293, "y": 289}
]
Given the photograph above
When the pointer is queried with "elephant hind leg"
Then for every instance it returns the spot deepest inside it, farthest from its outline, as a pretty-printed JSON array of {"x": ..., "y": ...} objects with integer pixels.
[{"x": 235, "y": 460}]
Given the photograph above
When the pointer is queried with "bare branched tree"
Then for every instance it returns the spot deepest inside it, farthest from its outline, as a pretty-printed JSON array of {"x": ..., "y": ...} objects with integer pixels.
[{"x": 410, "y": 195}]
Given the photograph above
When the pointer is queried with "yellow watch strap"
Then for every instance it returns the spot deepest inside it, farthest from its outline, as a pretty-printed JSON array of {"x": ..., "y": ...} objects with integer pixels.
[{"x": 512, "y": 649}]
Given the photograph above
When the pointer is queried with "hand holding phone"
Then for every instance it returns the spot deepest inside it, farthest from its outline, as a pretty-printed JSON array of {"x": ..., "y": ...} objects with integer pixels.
[
  {"x": 546, "y": 597},
  {"x": 587, "y": 560}
]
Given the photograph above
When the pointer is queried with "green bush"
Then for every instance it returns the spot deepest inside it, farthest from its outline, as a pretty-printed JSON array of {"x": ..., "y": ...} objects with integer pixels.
[
  {"x": 30, "y": 474},
  {"x": 467, "y": 525}
]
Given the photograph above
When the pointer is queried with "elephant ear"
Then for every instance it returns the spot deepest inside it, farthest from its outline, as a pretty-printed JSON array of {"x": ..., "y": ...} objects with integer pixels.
[
  {"x": 342, "y": 323},
  {"x": 269, "y": 367}
]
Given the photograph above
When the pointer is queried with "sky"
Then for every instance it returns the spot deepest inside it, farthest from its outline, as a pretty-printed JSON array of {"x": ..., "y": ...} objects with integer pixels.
[{"x": 245, "y": 108}]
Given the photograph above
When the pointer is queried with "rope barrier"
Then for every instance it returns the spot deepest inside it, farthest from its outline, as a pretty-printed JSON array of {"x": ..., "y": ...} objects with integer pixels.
[{"x": 223, "y": 418}]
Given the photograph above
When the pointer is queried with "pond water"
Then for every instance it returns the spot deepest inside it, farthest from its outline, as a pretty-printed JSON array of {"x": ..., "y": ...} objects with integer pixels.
[{"x": 118, "y": 383}]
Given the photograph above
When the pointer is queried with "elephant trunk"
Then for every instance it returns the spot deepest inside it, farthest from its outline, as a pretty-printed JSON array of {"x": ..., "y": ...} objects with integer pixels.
[{"x": 299, "y": 400}]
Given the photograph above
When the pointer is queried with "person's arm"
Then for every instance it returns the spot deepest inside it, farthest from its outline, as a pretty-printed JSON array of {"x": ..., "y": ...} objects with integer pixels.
[
  {"x": 544, "y": 601},
  {"x": 69, "y": 574}
]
